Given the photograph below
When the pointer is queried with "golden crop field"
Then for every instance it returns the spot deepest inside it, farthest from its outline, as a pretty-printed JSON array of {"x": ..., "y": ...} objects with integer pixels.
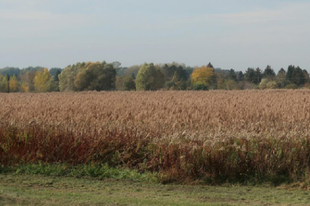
[{"x": 214, "y": 135}]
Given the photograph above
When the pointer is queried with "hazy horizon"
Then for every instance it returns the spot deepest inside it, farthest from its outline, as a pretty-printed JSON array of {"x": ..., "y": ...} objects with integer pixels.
[{"x": 229, "y": 34}]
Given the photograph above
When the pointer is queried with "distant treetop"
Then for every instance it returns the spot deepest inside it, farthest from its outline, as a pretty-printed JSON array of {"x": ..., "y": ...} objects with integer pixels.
[{"x": 210, "y": 65}]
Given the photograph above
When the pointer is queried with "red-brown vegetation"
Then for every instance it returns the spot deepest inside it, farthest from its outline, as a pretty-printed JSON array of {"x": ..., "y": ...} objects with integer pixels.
[{"x": 214, "y": 136}]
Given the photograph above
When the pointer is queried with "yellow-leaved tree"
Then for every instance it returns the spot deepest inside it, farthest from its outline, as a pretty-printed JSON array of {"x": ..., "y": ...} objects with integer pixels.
[
  {"x": 42, "y": 81},
  {"x": 13, "y": 84},
  {"x": 202, "y": 78},
  {"x": 23, "y": 87},
  {"x": 3, "y": 84}
]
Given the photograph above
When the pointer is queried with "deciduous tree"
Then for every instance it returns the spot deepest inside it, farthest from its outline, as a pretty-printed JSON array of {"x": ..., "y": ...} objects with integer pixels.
[
  {"x": 66, "y": 78},
  {"x": 149, "y": 78},
  {"x": 202, "y": 77},
  {"x": 3, "y": 84},
  {"x": 95, "y": 76},
  {"x": 42, "y": 81},
  {"x": 129, "y": 84},
  {"x": 13, "y": 84}
]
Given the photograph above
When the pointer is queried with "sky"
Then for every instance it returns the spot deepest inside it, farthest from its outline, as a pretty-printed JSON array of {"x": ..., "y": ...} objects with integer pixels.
[{"x": 233, "y": 34}]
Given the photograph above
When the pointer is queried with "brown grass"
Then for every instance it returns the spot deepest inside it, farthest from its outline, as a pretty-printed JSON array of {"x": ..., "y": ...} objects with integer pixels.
[{"x": 214, "y": 136}]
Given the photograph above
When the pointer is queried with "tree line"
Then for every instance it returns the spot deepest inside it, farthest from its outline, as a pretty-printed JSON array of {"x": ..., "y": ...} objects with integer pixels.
[{"x": 88, "y": 76}]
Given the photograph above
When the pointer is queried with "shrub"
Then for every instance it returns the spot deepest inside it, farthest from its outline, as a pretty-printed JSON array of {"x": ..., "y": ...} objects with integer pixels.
[{"x": 291, "y": 86}]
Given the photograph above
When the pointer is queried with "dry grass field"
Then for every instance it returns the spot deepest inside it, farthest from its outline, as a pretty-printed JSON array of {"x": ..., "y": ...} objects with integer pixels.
[{"x": 207, "y": 136}]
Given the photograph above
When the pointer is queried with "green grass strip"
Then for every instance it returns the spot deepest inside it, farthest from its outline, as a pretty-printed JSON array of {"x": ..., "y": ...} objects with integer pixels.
[{"x": 99, "y": 171}]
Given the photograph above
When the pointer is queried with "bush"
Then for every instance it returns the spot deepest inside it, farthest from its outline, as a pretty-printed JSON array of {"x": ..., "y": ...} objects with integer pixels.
[
  {"x": 291, "y": 86},
  {"x": 200, "y": 86}
]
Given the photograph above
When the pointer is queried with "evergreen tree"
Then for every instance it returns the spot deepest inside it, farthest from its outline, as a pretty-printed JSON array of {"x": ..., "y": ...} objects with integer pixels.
[
  {"x": 240, "y": 76},
  {"x": 232, "y": 75},
  {"x": 281, "y": 78},
  {"x": 289, "y": 72},
  {"x": 298, "y": 77},
  {"x": 250, "y": 75},
  {"x": 258, "y": 76},
  {"x": 269, "y": 73},
  {"x": 210, "y": 65}
]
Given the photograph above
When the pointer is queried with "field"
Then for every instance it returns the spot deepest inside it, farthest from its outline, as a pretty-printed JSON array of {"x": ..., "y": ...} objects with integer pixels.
[{"x": 209, "y": 137}]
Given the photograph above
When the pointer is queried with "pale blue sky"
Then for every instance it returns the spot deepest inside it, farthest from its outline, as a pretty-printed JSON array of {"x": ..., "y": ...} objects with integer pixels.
[{"x": 230, "y": 34}]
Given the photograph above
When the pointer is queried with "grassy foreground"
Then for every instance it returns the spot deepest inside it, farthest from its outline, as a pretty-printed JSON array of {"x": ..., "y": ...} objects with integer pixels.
[{"x": 52, "y": 190}]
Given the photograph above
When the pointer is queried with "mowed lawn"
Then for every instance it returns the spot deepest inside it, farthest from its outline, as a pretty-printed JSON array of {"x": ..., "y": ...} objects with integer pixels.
[{"x": 47, "y": 190}]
